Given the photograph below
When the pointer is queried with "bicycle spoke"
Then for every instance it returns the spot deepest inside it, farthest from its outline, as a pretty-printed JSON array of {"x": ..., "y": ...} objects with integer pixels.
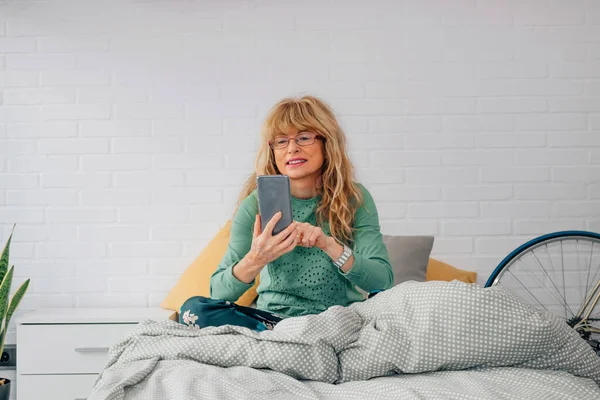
[
  {"x": 562, "y": 266},
  {"x": 552, "y": 282},
  {"x": 563, "y": 277},
  {"x": 596, "y": 273},
  {"x": 524, "y": 287},
  {"x": 578, "y": 269},
  {"x": 589, "y": 285},
  {"x": 554, "y": 270},
  {"x": 542, "y": 286}
]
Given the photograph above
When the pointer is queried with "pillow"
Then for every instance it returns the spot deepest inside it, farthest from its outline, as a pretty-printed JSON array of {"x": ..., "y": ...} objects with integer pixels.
[
  {"x": 440, "y": 271},
  {"x": 195, "y": 280},
  {"x": 409, "y": 256}
]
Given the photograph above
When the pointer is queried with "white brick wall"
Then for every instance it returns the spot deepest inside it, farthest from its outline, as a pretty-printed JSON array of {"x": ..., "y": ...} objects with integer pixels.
[{"x": 124, "y": 141}]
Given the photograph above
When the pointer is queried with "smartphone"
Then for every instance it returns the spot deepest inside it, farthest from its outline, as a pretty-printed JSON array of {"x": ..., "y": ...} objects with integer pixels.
[{"x": 274, "y": 196}]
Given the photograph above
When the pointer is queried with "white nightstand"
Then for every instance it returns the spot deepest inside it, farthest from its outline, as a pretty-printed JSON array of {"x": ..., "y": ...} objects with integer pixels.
[{"x": 60, "y": 352}]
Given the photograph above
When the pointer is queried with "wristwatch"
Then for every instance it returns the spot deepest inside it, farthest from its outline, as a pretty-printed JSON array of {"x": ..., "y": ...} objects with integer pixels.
[{"x": 344, "y": 257}]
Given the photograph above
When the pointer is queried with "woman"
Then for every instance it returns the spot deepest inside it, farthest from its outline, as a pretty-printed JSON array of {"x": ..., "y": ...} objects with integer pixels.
[{"x": 333, "y": 247}]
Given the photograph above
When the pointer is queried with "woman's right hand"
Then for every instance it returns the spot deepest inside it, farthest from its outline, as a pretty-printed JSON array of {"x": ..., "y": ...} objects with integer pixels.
[{"x": 265, "y": 248}]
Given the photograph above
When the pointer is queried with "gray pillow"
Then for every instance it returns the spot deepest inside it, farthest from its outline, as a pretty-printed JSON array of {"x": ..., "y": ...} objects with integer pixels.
[{"x": 409, "y": 256}]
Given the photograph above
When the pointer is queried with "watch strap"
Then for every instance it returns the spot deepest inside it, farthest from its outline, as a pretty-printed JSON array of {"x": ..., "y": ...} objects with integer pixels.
[{"x": 344, "y": 257}]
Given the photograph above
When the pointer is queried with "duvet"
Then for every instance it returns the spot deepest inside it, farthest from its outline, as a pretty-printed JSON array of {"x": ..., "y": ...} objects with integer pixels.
[{"x": 416, "y": 340}]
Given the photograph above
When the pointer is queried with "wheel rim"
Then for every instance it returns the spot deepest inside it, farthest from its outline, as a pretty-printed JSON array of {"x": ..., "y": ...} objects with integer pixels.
[{"x": 560, "y": 275}]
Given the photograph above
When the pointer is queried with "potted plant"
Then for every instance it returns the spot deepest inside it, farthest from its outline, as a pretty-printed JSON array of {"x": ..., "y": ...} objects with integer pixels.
[{"x": 7, "y": 306}]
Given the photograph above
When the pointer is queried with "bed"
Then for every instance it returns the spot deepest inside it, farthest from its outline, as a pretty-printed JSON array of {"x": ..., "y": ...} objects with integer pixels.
[{"x": 418, "y": 340}]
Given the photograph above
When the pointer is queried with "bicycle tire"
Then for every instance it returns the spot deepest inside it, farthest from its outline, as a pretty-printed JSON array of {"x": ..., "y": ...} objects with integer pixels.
[{"x": 534, "y": 242}]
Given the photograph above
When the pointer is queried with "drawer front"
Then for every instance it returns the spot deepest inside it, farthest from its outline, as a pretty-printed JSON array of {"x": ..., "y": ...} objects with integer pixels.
[
  {"x": 66, "y": 349},
  {"x": 55, "y": 387}
]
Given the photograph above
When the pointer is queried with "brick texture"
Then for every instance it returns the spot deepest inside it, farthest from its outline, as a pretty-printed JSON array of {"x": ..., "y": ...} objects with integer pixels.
[{"x": 123, "y": 145}]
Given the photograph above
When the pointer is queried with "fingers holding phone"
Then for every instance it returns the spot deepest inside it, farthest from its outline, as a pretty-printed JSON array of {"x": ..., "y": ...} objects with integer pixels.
[{"x": 267, "y": 247}]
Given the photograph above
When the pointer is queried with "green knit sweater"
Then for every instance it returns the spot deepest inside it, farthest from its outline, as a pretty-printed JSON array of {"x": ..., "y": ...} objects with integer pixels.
[{"x": 305, "y": 280}]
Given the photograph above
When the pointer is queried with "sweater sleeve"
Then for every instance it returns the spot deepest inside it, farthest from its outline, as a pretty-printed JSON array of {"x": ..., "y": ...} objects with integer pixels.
[
  {"x": 223, "y": 285},
  {"x": 371, "y": 269}
]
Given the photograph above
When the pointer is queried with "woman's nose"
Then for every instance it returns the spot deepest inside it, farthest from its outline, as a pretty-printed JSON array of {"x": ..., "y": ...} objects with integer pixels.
[{"x": 292, "y": 146}]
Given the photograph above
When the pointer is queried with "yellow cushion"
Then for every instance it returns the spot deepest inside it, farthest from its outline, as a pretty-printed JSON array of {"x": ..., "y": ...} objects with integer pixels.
[
  {"x": 195, "y": 281},
  {"x": 440, "y": 271}
]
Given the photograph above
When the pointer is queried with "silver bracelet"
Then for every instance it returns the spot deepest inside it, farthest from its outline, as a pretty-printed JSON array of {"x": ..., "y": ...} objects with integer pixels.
[{"x": 344, "y": 257}]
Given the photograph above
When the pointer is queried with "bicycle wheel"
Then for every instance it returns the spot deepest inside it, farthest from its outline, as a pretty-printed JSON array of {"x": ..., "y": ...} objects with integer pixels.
[{"x": 559, "y": 273}]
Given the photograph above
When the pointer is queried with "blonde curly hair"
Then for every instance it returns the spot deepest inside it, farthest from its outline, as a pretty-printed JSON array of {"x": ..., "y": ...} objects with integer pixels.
[{"x": 340, "y": 196}]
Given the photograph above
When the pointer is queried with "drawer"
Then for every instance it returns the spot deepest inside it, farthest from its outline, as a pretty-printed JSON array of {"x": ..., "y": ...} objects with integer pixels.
[
  {"x": 66, "y": 349},
  {"x": 55, "y": 387}
]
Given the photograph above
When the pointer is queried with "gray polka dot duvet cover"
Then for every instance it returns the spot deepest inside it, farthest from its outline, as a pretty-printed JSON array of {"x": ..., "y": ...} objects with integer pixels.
[{"x": 418, "y": 340}]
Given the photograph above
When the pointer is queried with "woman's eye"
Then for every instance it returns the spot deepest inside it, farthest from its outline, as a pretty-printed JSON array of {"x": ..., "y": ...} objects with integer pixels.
[{"x": 304, "y": 138}]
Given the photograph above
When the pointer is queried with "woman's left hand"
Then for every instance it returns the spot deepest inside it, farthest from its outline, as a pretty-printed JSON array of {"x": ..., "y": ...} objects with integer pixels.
[{"x": 311, "y": 236}]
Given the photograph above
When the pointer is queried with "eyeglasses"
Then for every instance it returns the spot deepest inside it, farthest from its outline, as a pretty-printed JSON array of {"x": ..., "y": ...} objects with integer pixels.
[{"x": 302, "y": 139}]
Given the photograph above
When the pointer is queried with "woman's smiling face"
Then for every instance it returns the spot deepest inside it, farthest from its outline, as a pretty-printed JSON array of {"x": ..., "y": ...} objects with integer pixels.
[{"x": 299, "y": 161}]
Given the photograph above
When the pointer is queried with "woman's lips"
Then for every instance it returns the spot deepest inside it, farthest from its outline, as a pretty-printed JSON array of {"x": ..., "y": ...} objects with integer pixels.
[{"x": 296, "y": 162}]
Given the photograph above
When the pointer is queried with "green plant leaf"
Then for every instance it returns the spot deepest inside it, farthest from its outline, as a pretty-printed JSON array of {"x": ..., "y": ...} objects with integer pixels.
[
  {"x": 4, "y": 293},
  {"x": 16, "y": 299},
  {"x": 4, "y": 257},
  {"x": 2, "y": 337}
]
